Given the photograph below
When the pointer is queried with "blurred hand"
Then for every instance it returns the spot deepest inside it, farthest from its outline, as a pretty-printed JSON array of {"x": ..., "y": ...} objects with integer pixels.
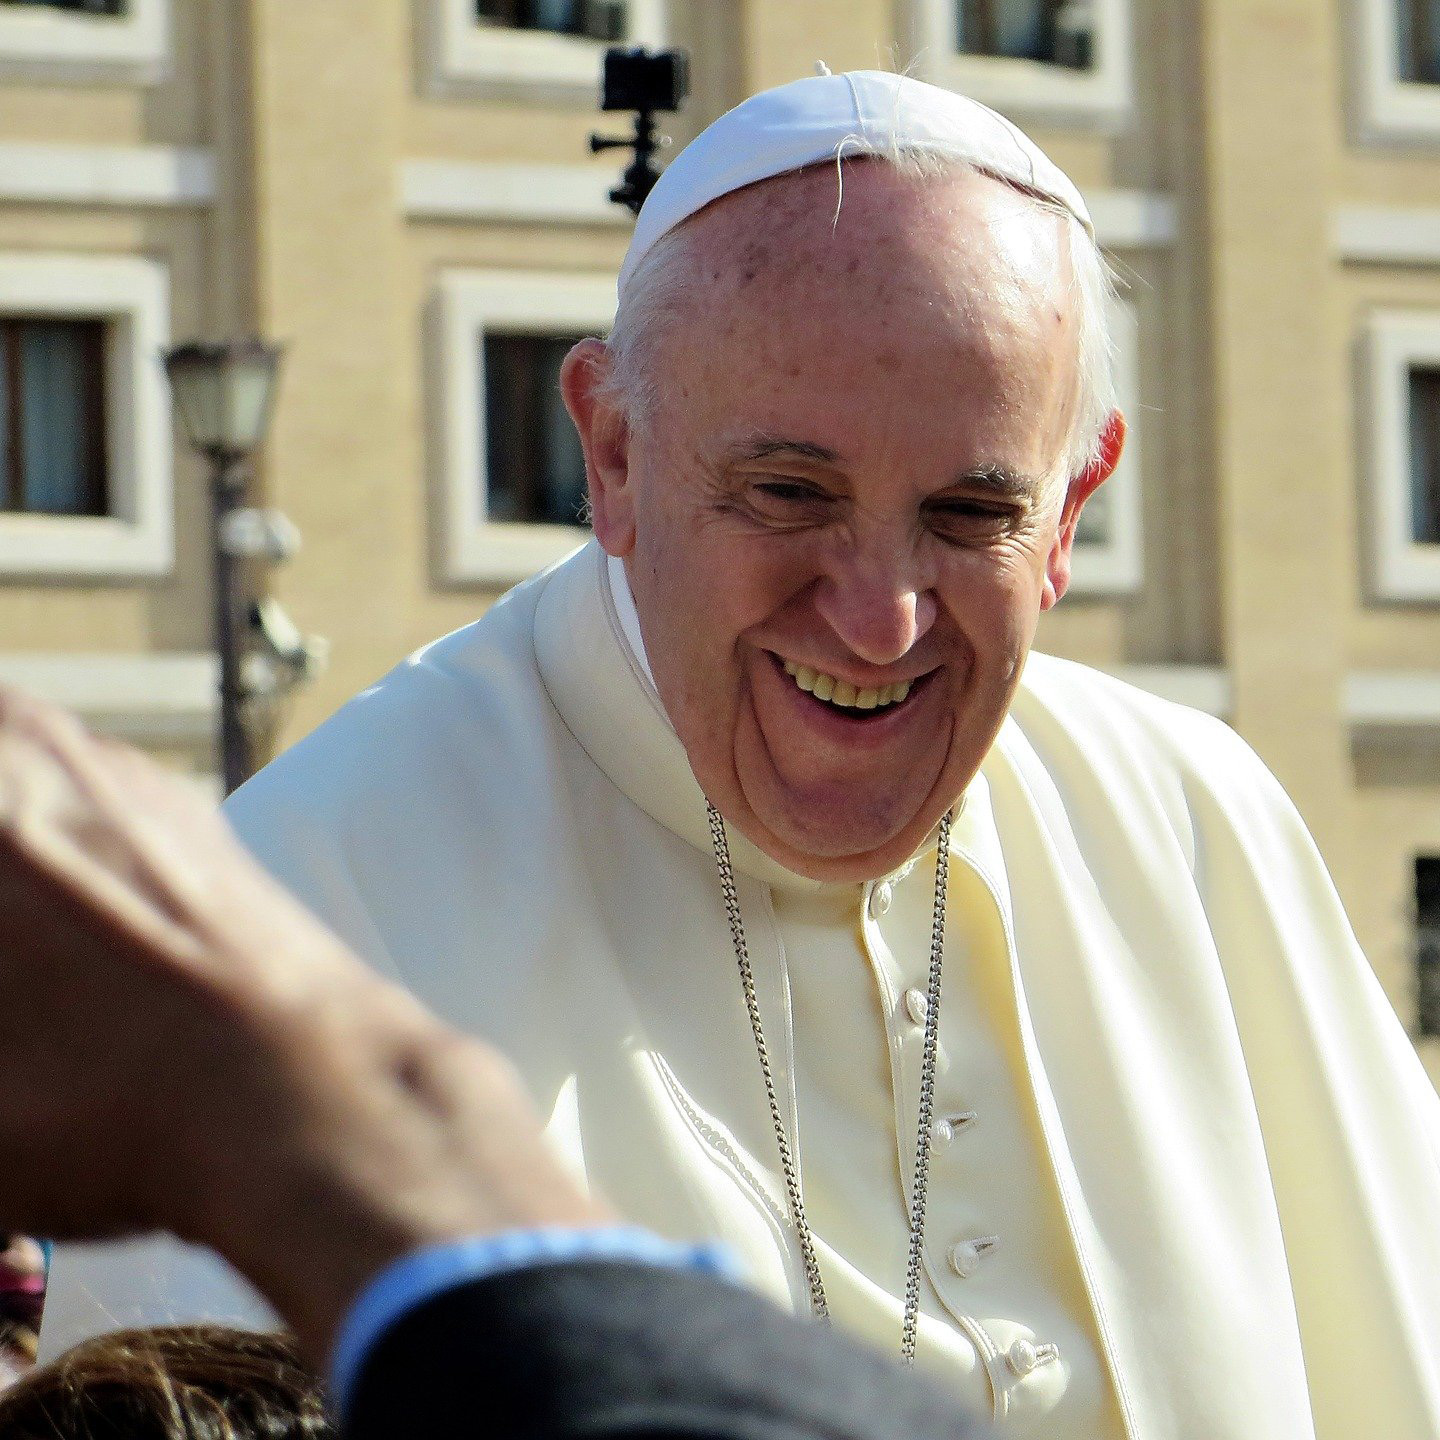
[{"x": 183, "y": 1046}]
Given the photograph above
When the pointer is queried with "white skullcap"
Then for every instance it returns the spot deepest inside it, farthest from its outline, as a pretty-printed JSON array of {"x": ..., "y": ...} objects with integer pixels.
[{"x": 825, "y": 116}]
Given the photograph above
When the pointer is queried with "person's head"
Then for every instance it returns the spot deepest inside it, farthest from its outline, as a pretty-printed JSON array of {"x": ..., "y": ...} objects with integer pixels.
[
  {"x": 176, "y": 1382},
  {"x": 844, "y": 428}
]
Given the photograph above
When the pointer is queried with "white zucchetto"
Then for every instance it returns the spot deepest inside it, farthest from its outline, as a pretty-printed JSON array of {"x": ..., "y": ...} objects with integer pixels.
[{"x": 825, "y": 117}]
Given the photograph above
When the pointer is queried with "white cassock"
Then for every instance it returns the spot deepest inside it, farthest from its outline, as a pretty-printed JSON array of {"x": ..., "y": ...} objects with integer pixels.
[{"x": 1187, "y": 1186}]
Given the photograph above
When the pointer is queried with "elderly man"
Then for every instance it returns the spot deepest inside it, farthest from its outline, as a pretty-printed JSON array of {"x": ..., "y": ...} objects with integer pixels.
[{"x": 997, "y": 1010}]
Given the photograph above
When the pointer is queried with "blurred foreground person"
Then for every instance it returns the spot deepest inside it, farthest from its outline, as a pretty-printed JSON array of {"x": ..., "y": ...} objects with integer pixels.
[
  {"x": 183, "y": 1047},
  {"x": 180, "y": 1382},
  {"x": 22, "y": 1299},
  {"x": 997, "y": 1009}
]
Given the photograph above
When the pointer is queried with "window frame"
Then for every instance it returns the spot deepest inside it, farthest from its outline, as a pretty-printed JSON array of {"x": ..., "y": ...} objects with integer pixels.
[
  {"x": 132, "y": 295},
  {"x": 469, "y": 58},
  {"x": 472, "y": 549},
  {"x": 38, "y": 42},
  {"x": 1101, "y": 99},
  {"x": 1386, "y": 108},
  {"x": 1116, "y": 566},
  {"x": 1398, "y": 568}
]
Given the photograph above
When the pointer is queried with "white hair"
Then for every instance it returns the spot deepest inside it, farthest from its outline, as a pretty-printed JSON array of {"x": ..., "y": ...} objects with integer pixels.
[{"x": 667, "y": 271}]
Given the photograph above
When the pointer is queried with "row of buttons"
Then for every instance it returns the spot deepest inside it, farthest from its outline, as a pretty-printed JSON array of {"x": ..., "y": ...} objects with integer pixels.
[{"x": 1023, "y": 1357}]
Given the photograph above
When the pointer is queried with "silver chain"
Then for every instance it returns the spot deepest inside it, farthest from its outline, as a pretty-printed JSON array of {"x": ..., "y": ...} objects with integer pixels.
[{"x": 793, "y": 1194}]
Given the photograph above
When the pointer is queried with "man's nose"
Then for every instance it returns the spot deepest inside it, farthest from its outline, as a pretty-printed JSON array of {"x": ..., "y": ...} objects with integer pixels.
[{"x": 879, "y": 611}]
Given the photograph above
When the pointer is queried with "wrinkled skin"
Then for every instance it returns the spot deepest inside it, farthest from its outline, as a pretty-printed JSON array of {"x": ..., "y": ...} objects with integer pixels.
[{"x": 856, "y": 465}]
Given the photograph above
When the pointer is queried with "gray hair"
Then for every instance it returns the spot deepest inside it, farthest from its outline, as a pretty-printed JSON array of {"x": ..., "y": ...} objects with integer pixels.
[{"x": 666, "y": 271}]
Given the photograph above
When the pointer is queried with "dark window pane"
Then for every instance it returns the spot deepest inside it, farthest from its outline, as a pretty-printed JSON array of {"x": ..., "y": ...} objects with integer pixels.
[
  {"x": 1427, "y": 935},
  {"x": 1425, "y": 456},
  {"x": 1058, "y": 32},
  {"x": 596, "y": 19},
  {"x": 535, "y": 469},
  {"x": 7, "y": 499},
  {"x": 90, "y": 7},
  {"x": 1418, "y": 34},
  {"x": 54, "y": 404}
]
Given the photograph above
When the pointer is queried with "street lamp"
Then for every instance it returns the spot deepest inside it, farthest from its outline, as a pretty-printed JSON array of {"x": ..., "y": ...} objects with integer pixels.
[{"x": 223, "y": 393}]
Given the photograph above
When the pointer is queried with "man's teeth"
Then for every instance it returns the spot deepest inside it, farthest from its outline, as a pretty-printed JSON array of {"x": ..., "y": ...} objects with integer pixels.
[{"x": 842, "y": 692}]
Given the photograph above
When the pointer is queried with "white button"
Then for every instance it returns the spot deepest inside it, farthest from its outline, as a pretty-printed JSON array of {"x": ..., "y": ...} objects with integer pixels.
[
  {"x": 917, "y": 1005},
  {"x": 965, "y": 1257},
  {"x": 1021, "y": 1358},
  {"x": 1024, "y": 1358},
  {"x": 947, "y": 1127},
  {"x": 880, "y": 899}
]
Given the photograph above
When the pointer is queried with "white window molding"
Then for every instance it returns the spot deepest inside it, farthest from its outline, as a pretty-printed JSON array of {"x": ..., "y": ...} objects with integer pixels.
[
  {"x": 514, "y": 194},
  {"x": 38, "y": 42},
  {"x": 468, "y": 304},
  {"x": 1202, "y": 687},
  {"x": 1386, "y": 705},
  {"x": 467, "y": 57},
  {"x": 136, "y": 539},
  {"x": 114, "y": 175},
  {"x": 159, "y": 699},
  {"x": 1386, "y": 234},
  {"x": 1115, "y": 565},
  {"x": 1385, "y": 107},
  {"x": 1100, "y": 98},
  {"x": 1399, "y": 568}
]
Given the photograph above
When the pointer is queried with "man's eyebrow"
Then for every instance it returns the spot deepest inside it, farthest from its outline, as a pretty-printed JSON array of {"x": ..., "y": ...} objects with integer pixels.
[
  {"x": 1000, "y": 480},
  {"x": 767, "y": 447}
]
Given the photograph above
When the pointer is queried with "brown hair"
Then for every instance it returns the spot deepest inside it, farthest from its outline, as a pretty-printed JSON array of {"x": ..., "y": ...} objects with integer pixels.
[{"x": 175, "y": 1382}]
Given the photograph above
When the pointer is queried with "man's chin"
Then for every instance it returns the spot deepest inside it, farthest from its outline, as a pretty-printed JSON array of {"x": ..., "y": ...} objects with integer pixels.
[{"x": 836, "y": 844}]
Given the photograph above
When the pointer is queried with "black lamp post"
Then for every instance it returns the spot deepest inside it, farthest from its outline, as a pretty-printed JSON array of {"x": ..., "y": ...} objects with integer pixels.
[{"x": 223, "y": 393}]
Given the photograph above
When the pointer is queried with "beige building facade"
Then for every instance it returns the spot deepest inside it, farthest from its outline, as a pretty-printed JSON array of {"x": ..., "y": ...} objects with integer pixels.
[{"x": 401, "y": 192}]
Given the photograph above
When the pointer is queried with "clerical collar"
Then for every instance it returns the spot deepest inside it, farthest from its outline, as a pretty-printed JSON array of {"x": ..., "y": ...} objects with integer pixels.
[{"x": 629, "y": 616}]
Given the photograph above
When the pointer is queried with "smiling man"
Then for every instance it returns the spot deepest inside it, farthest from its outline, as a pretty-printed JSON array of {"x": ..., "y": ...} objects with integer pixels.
[{"x": 998, "y": 1010}]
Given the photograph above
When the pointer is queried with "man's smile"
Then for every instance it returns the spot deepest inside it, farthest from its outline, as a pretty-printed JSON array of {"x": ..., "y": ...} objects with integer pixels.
[{"x": 842, "y": 710}]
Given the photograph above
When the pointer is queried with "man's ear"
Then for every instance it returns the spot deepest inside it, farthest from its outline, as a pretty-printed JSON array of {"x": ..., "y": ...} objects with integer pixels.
[
  {"x": 605, "y": 439},
  {"x": 1080, "y": 489}
]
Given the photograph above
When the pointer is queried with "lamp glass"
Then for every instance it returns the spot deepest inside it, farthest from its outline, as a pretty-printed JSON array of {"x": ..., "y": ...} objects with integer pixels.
[{"x": 222, "y": 393}]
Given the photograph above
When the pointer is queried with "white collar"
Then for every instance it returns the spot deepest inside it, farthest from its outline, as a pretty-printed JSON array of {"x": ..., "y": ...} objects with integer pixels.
[{"x": 624, "y": 600}]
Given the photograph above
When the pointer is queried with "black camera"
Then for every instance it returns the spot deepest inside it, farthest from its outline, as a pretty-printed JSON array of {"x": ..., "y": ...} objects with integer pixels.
[{"x": 639, "y": 80}]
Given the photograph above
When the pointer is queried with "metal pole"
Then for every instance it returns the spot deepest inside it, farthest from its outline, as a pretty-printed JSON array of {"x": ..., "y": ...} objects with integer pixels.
[{"x": 228, "y": 492}]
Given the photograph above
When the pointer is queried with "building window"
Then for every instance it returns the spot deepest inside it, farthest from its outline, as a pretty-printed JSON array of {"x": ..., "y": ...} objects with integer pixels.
[
  {"x": 510, "y": 477},
  {"x": 1424, "y": 406},
  {"x": 88, "y": 7},
  {"x": 1394, "y": 55},
  {"x": 1108, "y": 558},
  {"x": 52, "y": 419},
  {"x": 85, "y": 459},
  {"x": 1055, "y": 32},
  {"x": 1427, "y": 942},
  {"x": 534, "y": 466},
  {"x": 1400, "y": 431},
  {"x": 1056, "y": 61},
  {"x": 548, "y": 51},
  {"x": 86, "y": 41},
  {"x": 592, "y": 19}
]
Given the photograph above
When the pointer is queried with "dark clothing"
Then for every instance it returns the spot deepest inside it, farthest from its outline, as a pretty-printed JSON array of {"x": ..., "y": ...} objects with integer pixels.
[{"x": 606, "y": 1349}]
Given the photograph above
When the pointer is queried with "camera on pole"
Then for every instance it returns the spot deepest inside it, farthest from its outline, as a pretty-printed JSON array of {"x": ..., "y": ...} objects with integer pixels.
[{"x": 648, "y": 83}]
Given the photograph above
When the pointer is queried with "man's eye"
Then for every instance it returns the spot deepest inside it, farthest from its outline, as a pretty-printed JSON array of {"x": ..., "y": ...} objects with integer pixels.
[
  {"x": 794, "y": 492},
  {"x": 970, "y": 515}
]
